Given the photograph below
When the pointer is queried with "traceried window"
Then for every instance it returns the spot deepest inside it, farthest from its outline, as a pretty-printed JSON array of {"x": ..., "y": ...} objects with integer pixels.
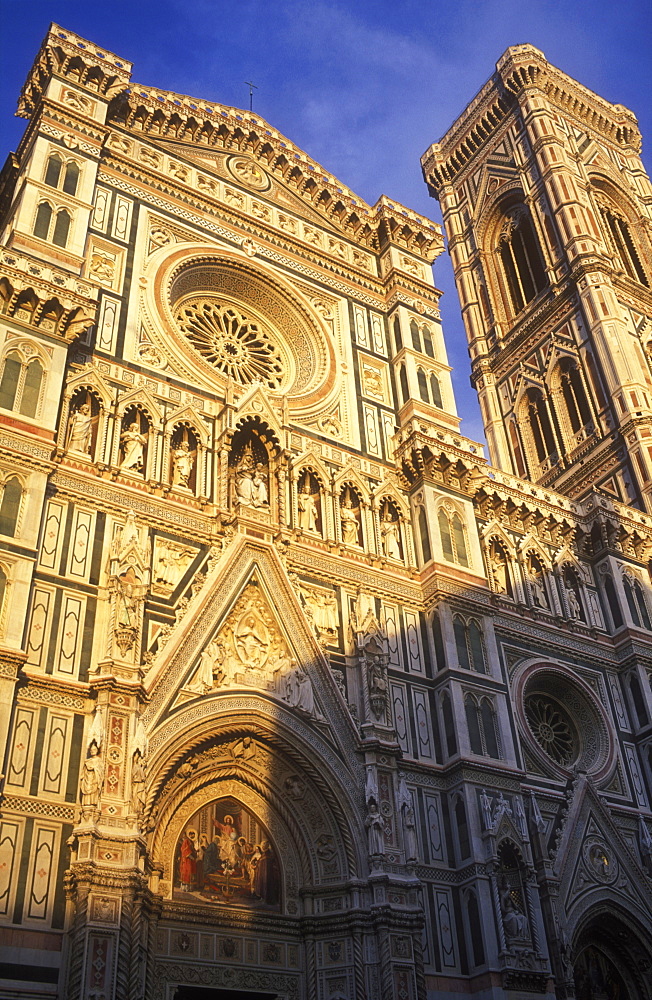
[
  {"x": 453, "y": 537},
  {"x": 51, "y": 225},
  {"x": 482, "y": 726},
  {"x": 232, "y": 342},
  {"x": 20, "y": 384},
  {"x": 540, "y": 425},
  {"x": 636, "y": 602},
  {"x": 64, "y": 176},
  {"x": 469, "y": 643},
  {"x": 12, "y": 493},
  {"x": 572, "y": 387},
  {"x": 622, "y": 243},
  {"x": 521, "y": 259}
]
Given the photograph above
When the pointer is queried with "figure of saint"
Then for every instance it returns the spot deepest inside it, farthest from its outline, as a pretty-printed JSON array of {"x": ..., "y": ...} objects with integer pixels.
[
  {"x": 252, "y": 641},
  {"x": 265, "y": 880},
  {"x": 183, "y": 461},
  {"x": 514, "y": 920},
  {"x": 259, "y": 483},
  {"x": 304, "y": 699},
  {"x": 204, "y": 679},
  {"x": 80, "y": 430},
  {"x": 499, "y": 567},
  {"x": 410, "y": 833},
  {"x": 502, "y": 808},
  {"x": 538, "y": 590},
  {"x": 375, "y": 829},
  {"x": 188, "y": 863},
  {"x": 389, "y": 533},
  {"x": 485, "y": 804},
  {"x": 307, "y": 511},
  {"x": 349, "y": 521},
  {"x": 133, "y": 448},
  {"x": 91, "y": 780},
  {"x": 573, "y": 602},
  {"x": 138, "y": 784}
]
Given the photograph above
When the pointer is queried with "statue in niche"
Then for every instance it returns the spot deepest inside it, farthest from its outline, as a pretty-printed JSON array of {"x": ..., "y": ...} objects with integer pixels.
[
  {"x": 308, "y": 503},
  {"x": 133, "y": 448},
  {"x": 377, "y": 681},
  {"x": 138, "y": 784},
  {"x": 406, "y": 807},
  {"x": 499, "y": 569},
  {"x": 210, "y": 673},
  {"x": 251, "y": 480},
  {"x": 390, "y": 534},
  {"x": 323, "y": 610},
  {"x": 183, "y": 461},
  {"x": 90, "y": 785},
  {"x": 485, "y": 805},
  {"x": 349, "y": 519},
  {"x": 375, "y": 829},
  {"x": 80, "y": 429},
  {"x": 537, "y": 587},
  {"x": 515, "y": 922}
]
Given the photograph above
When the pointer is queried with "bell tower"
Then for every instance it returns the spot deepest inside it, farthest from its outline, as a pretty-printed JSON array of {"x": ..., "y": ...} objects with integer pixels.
[{"x": 548, "y": 212}]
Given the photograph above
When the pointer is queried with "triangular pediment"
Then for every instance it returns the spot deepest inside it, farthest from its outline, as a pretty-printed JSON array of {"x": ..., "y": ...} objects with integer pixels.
[
  {"x": 274, "y": 189},
  {"x": 245, "y": 631},
  {"x": 593, "y": 858}
]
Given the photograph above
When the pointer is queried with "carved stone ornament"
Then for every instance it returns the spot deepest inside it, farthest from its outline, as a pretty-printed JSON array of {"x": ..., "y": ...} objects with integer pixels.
[{"x": 250, "y": 650}]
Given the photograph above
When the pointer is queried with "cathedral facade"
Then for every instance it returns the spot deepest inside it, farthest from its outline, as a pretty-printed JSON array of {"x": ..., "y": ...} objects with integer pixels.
[{"x": 302, "y": 696}]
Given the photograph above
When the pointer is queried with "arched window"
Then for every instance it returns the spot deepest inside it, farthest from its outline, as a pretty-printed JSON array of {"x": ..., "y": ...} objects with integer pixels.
[
  {"x": 53, "y": 170},
  {"x": 20, "y": 384},
  {"x": 31, "y": 389},
  {"x": 572, "y": 387},
  {"x": 637, "y": 700},
  {"x": 71, "y": 178},
  {"x": 449, "y": 724},
  {"x": 521, "y": 258},
  {"x": 469, "y": 644},
  {"x": 516, "y": 450},
  {"x": 475, "y": 928},
  {"x": 459, "y": 631},
  {"x": 43, "y": 219},
  {"x": 482, "y": 724},
  {"x": 61, "y": 228},
  {"x": 453, "y": 537},
  {"x": 489, "y": 728},
  {"x": 55, "y": 174},
  {"x": 459, "y": 541},
  {"x": 44, "y": 228},
  {"x": 402, "y": 377},
  {"x": 423, "y": 385},
  {"x": 445, "y": 534},
  {"x": 435, "y": 391},
  {"x": 622, "y": 242},
  {"x": 12, "y": 493},
  {"x": 540, "y": 426},
  {"x": 427, "y": 342},
  {"x": 473, "y": 724},
  {"x": 416, "y": 337},
  {"x": 612, "y": 601},
  {"x": 398, "y": 337},
  {"x": 462, "y": 828},
  {"x": 426, "y": 551},
  {"x": 636, "y": 602}
]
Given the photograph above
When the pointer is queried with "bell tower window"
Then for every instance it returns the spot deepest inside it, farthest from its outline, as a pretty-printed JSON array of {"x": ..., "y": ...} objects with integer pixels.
[{"x": 520, "y": 257}]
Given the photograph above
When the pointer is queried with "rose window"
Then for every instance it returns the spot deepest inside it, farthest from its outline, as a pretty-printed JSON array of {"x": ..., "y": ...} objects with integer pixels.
[
  {"x": 552, "y": 729},
  {"x": 239, "y": 347}
]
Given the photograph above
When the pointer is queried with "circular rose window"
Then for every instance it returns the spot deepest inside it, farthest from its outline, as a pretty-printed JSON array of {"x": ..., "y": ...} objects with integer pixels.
[
  {"x": 237, "y": 345},
  {"x": 561, "y": 719},
  {"x": 552, "y": 728}
]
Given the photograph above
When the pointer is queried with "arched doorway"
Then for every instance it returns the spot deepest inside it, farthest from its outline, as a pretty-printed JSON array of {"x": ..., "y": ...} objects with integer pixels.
[{"x": 611, "y": 961}]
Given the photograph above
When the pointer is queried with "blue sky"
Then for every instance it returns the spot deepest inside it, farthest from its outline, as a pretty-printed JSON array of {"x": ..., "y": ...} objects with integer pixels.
[{"x": 363, "y": 87}]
